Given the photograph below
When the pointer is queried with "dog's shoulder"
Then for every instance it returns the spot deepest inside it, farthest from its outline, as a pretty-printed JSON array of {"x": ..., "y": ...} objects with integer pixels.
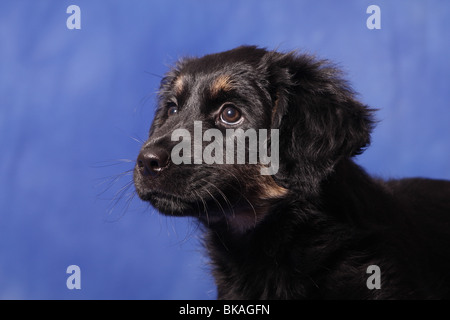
[
  {"x": 422, "y": 187},
  {"x": 427, "y": 199}
]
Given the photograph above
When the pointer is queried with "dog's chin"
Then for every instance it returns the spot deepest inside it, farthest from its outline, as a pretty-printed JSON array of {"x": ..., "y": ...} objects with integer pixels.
[
  {"x": 208, "y": 212},
  {"x": 169, "y": 204}
]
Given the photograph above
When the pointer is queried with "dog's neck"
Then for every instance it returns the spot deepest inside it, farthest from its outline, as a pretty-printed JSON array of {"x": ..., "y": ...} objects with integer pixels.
[
  {"x": 288, "y": 232},
  {"x": 250, "y": 213}
]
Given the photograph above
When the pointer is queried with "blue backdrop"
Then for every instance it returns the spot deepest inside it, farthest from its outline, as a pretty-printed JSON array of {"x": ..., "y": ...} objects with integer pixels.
[{"x": 75, "y": 103}]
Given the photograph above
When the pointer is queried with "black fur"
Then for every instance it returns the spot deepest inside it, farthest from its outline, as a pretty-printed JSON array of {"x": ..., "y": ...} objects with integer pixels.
[{"x": 311, "y": 230}]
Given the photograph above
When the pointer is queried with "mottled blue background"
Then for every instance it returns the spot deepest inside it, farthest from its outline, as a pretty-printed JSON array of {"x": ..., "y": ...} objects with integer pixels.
[{"x": 74, "y": 102}]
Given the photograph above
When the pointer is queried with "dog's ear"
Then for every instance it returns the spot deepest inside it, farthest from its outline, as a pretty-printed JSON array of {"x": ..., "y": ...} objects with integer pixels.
[{"x": 319, "y": 119}]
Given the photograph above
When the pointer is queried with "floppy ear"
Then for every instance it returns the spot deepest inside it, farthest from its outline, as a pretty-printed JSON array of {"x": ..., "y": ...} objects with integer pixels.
[{"x": 319, "y": 119}]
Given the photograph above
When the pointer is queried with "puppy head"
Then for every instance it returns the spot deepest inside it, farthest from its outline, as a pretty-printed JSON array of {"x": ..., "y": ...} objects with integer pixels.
[{"x": 201, "y": 100}]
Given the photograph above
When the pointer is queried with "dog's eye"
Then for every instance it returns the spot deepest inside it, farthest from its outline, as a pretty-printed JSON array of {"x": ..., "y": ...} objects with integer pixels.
[
  {"x": 173, "y": 110},
  {"x": 230, "y": 114}
]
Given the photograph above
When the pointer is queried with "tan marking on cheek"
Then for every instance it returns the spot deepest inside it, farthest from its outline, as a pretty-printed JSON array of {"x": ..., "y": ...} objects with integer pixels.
[
  {"x": 221, "y": 83},
  {"x": 248, "y": 218},
  {"x": 262, "y": 191},
  {"x": 270, "y": 189}
]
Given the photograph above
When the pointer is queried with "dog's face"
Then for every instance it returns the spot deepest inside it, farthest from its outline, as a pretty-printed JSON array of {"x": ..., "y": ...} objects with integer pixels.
[{"x": 180, "y": 169}]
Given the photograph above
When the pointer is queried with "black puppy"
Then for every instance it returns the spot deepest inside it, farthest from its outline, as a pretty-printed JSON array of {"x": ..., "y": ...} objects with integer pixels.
[{"x": 318, "y": 226}]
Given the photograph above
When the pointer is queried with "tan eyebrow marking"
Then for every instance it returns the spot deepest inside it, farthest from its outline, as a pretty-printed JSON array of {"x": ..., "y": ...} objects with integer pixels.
[
  {"x": 221, "y": 83},
  {"x": 178, "y": 84}
]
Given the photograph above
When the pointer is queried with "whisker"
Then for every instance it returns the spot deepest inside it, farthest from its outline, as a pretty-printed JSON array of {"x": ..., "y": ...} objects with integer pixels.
[
  {"x": 205, "y": 210},
  {"x": 239, "y": 191},
  {"x": 118, "y": 196},
  {"x": 218, "y": 203},
  {"x": 154, "y": 74},
  {"x": 222, "y": 194},
  {"x": 106, "y": 188},
  {"x": 110, "y": 163},
  {"x": 138, "y": 140},
  {"x": 111, "y": 180}
]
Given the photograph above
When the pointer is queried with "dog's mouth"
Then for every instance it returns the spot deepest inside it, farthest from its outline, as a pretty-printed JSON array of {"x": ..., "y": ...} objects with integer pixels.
[{"x": 182, "y": 198}]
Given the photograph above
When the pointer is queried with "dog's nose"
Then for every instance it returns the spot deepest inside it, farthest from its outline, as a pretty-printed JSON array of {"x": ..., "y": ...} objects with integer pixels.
[{"x": 152, "y": 161}]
